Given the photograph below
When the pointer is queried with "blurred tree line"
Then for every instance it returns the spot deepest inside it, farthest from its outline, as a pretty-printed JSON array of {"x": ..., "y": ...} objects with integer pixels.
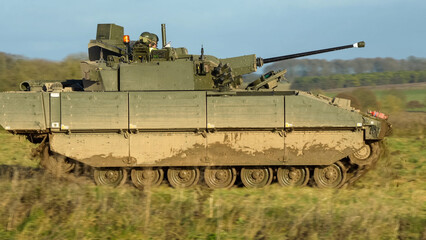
[
  {"x": 15, "y": 69},
  {"x": 319, "y": 67},
  {"x": 358, "y": 80},
  {"x": 308, "y": 74},
  {"x": 305, "y": 74}
]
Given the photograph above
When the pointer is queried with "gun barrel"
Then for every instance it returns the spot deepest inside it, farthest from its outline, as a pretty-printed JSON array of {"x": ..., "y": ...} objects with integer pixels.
[{"x": 261, "y": 61}]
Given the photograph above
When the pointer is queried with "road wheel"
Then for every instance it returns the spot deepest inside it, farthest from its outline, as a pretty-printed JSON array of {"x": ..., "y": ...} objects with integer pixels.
[
  {"x": 220, "y": 177},
  {"x": 147, "y": 177},
  {"x": 183, "y": 177},
  {"x": 331, "y": 176},
  {"x": 256, "y": 177},
  {"x": 110, "y": 176},
  {"x": 293, "y": 176}
]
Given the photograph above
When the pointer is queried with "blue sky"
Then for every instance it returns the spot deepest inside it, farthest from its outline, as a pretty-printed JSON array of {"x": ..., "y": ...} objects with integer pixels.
[{"x": 52, "y": 29}]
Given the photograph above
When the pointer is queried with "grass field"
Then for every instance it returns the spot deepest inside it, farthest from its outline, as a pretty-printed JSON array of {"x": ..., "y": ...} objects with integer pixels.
[
  {"x": 411, "y": 94},
  {"x": 387, "y": 203},
  {"x": 417, "y": 92}
]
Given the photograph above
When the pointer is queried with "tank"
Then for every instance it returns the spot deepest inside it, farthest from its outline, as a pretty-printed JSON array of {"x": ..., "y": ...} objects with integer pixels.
[{"x": 149, "y": 115}]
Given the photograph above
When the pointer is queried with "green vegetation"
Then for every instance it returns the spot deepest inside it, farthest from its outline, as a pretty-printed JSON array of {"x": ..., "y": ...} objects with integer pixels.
[
  {"x": 48, "y": 208},
  {"x": 357, "y": 80},
  {"x": 409, "y": 95},
  {"x": 388, "y": 203},
  {"x": 16, "y": 69},
  {"x": 15, "y": 150},
  {"x": 318, "y": 67},
  {"x": 386, "y": 100}
]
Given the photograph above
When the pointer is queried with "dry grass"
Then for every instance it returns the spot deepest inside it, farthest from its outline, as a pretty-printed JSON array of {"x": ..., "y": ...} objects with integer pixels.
[
  {"x": 48, "y": 208},
  {"x": 388, "y": 203}
]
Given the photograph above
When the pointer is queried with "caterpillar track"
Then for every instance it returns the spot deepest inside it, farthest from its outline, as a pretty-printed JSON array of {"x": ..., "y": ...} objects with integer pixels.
[{"x": 342, "y": 173}]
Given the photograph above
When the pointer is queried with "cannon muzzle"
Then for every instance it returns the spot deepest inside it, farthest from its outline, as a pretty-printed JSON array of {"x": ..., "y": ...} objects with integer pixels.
[{"x": 261, "y": 61}]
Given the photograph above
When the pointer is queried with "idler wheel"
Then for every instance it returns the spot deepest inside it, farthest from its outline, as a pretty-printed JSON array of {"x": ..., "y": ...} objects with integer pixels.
[
  {"x": 218, "y": 177},
  {"x": 293, "y": 176},
  {"x": 183, "y": 177},
  {"x": 366, "y": 155},
  {"x": 256, "y": 177},
  {"x": 147, "y": 177},
  {"x": 110, "y": 176},
  {"x": 331, "y": 176}
]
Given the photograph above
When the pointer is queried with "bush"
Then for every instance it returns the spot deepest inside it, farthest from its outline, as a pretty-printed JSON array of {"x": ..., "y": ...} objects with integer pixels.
[
  {"x": 354, "y": 100},
  {"x": 367, "y": 98},
  {"x": 414, "y": 104}
]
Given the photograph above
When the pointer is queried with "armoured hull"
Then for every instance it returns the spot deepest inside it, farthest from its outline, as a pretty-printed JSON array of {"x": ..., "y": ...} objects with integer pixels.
[{"x": 196, "y": 129}]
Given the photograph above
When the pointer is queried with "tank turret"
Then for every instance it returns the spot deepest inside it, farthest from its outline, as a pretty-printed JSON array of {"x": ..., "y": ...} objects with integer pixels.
[
  {"x": 118, "y": 64},
  {"x": 170, "y": 68}
]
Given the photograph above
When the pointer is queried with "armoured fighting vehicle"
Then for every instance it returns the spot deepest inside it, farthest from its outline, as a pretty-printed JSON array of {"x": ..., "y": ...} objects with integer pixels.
[{"x": 167, "y": 115}]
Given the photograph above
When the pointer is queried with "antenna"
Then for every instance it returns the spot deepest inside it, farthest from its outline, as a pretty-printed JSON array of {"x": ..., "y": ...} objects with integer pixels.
[
  {"x": 202, "y": 52},
  {"x": 163, "y": 34}
]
